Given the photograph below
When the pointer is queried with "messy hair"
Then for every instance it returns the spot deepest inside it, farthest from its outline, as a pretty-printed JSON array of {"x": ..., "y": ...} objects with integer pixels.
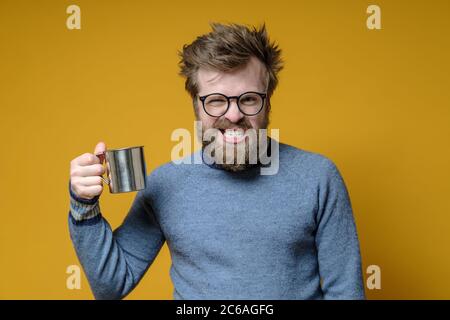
[{"x": 227, "y": 47}]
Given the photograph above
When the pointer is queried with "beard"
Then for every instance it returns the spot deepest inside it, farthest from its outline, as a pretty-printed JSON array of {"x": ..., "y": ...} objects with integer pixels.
[{"x": 239, "y": 156}]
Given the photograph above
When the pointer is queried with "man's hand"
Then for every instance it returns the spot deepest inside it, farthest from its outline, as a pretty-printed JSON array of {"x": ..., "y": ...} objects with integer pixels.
[{"x": 85, "y": 173}]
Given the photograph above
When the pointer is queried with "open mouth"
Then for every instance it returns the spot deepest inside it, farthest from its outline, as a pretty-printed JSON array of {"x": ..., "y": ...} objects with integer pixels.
[{"x": 233, "y": 135}]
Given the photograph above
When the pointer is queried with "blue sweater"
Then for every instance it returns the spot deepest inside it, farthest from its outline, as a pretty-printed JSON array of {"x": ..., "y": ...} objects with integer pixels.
[{"x": 238, "y": 235}]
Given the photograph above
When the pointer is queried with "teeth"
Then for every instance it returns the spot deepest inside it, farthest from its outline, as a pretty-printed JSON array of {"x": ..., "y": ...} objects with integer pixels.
[{"x": 234, "y": 133}]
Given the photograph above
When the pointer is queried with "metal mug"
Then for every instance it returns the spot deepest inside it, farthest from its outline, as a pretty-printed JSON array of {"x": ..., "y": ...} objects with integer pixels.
[{"x": 126, "y": 169}]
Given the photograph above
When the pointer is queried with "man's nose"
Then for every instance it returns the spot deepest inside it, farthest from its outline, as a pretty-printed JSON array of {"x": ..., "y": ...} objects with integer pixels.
[{"x": 233, "y": 113}]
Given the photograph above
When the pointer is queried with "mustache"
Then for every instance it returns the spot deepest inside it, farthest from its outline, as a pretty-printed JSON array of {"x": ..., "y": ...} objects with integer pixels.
[{"x": 224, "y": 123}]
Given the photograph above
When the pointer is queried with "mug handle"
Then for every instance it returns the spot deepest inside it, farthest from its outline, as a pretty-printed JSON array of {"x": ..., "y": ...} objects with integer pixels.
[{"x": 101, "y": 157}]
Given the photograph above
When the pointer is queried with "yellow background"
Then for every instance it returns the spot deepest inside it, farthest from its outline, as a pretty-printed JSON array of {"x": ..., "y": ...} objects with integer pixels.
[{"x": 376, "y": 102}]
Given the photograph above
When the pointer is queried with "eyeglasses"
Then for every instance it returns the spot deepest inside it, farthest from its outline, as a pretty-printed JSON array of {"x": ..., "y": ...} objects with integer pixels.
[{"x": 249, "y": 103}]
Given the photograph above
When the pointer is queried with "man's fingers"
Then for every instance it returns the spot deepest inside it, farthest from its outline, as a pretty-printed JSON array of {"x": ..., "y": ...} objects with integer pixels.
[
  {"x": 87, "y": 159},
  {"x": 85, "y": 172},
  {"x": 88, "y": 171},
  {"x": 90, "y": 181}
]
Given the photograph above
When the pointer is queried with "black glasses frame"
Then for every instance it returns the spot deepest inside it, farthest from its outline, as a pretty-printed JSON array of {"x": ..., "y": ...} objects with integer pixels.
[{"x": 262, "y": 95}]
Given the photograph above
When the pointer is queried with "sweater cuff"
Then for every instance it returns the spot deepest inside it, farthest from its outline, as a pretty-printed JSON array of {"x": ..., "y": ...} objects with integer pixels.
[{"x": 83, "y": 209}]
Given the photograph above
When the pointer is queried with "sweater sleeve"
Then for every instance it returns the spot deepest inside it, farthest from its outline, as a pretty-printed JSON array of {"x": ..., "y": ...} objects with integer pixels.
[
  {"x": 83, "y": 209},
  {"x": 337, "y": 240},
  {"x": 115, "y": 262}
]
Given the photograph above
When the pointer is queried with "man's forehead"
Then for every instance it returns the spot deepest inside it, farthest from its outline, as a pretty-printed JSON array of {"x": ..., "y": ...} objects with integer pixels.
[{"x": 251, "y": 76}]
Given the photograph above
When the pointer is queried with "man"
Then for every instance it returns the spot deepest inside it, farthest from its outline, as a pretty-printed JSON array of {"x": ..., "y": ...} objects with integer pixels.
[{"x": 232, "y": 232}]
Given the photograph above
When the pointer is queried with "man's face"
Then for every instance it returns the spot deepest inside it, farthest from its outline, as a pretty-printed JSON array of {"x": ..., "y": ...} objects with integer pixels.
[{"x": 233, "y": 124}]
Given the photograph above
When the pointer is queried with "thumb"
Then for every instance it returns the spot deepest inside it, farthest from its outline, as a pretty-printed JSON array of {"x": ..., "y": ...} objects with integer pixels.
[{"x": 100, "y": 148}]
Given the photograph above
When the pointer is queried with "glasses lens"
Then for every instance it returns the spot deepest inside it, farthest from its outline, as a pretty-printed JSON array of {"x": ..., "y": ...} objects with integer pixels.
[
  {"x": 251, "y": 103},
  {"x": 216, "y": 104}
]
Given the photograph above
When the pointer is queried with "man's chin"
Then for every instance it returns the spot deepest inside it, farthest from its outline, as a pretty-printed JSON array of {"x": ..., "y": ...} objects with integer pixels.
[{"x": 233, "y": 155}]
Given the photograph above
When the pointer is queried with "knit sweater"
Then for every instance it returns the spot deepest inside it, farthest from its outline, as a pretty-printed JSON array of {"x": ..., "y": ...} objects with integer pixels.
[{"x": 231, "y": 235}]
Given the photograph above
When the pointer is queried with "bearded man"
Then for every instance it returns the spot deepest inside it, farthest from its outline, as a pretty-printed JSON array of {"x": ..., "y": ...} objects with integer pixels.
[{"x": 232, "y": 231}]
